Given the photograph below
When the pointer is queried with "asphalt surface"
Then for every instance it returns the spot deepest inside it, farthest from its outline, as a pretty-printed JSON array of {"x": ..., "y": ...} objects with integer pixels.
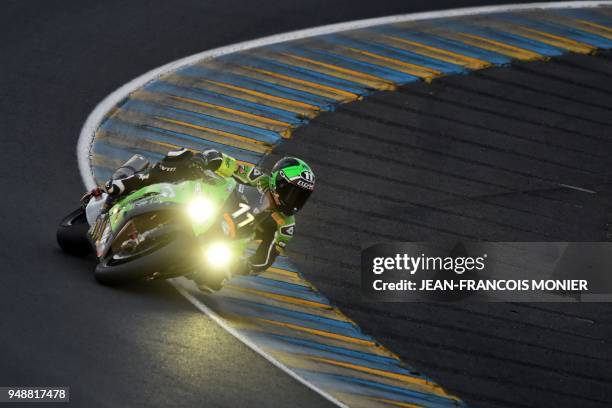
[
  {"x": 480, "y": 157},
  {"x": 147, "y": 346}
]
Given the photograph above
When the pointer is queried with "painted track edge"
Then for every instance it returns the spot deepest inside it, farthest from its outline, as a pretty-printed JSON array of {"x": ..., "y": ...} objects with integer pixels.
[
  {"x": 94, "y": 119},
  {"x": 178, "y": 285}
]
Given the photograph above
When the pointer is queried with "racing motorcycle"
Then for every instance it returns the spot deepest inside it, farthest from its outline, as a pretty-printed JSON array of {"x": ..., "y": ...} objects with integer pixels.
[{"x": 165, "y": 230}]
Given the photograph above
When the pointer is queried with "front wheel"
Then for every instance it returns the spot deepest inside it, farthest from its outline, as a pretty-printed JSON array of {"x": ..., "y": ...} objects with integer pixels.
[
  {"x": 72, "y": 234},
  {"x": 164, "y": 258}
]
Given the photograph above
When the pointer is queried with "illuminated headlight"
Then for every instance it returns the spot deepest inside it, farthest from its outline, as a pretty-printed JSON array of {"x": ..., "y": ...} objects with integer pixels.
[
  {"x": 218, "y": 255},
  {"x": 200, "y": 209}
]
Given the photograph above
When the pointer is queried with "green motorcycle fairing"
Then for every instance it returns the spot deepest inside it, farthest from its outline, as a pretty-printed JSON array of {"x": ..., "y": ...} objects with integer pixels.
[{"x": 216, "y": 189}]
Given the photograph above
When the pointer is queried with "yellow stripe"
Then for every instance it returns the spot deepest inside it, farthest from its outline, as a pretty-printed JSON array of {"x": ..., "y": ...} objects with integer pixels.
[
  {"x": 170, "y": 146},
  {"x": 308, "y": 84},
  {"x": 284, "y": 272},
  {"x": 396, "y": 403},
  {"x": 348, "y": 71},
  {"x": 551, "y": 39},
  {"x": 496, "y": 46},
  {"x": 107, "y": 162},
  {"x": 218, "y": 111},
  {"x": 243, "y": 117},
  {"x": 319, "y": 332},
  {"x": 215, "y": 135},
  {"x": 439, "y": 53},
  {"x": 282, "y": 298},
  {"x": 580, "y": 25},
  {"x": 282, "y": 278},
  {"x": 598, "y": 29},
  {"x": 289, "y": 102},
  {"x": 253, "y": 145},
  {"x": 327, "y": 313},
  {"x": 436, "y": 389},
  {"x": 262, "y": 98},
  {"x": 340, "y": 72},
  {"x": 412, "y": 69},
  {"x": 232, "y": 111}
]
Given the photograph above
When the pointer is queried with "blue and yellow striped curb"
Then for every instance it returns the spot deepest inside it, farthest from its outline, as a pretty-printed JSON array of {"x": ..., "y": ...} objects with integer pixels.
[{"x": 245, "y": 103}]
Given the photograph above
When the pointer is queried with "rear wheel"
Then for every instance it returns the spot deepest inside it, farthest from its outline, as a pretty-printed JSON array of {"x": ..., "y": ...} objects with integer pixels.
[
  {"x": 72, "y": 234},
  {"x": 164, "y": 257}
]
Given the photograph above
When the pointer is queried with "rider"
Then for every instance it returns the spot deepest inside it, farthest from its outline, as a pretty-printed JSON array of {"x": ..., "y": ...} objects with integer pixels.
[{"x": 284, "y": 190}]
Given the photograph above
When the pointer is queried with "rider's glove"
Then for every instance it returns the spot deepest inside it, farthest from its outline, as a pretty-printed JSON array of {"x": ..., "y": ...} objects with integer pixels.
[
  {"x": 212, "y": 159},
  {"x": 93, "y": 193},
  {"x": 114, "y": 187}
]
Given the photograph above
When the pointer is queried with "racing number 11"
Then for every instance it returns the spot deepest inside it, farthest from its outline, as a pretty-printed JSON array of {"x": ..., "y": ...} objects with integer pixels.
[{"x": 244, "y": 209}]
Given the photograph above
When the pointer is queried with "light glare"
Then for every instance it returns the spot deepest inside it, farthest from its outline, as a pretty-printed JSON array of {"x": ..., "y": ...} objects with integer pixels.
[
  {"x": 200, "y": 209},
  {"x": 218, "y": 255}
]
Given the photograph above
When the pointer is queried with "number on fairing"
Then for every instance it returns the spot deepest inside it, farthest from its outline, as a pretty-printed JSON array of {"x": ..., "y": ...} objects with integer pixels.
[{"x": 249, "y": 218}]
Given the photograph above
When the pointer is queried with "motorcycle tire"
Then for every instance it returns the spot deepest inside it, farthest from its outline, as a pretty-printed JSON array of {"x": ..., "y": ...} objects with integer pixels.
[
  {"x": 167, "y": 260},
  {"x": 72, "y": 234}
]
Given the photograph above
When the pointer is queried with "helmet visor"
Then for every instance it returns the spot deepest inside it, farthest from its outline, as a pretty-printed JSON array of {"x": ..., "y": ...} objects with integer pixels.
[{"x": 291, "y": 196}]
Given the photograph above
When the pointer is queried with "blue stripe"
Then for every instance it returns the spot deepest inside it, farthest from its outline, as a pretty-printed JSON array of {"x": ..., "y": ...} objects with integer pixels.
[
  {"x": 264, "y": 135},
  {"x": 300, "y": 73},
  {"x": 153, "y": 109},
  {"x": 335, "y": 54},
  {"x": 349, "y": 63},
  {"x": 446, "y": 44},
  {"x": 106, "y": 148},
  {"x": 102, "y": 174},
  {"x": 240, "y": 154},
  {"x": 332, "y": 349},
  {"x": 280, "y": 284},
  {"x": 244, "y": 310},
  {"x": 205, "y": 95},
  {"x": 376, "y": 389},
  {"x": 560, "y": 30},
  {"x": 591, "y": 15},
  {"x": 261, "y": 86},
  {"x": 507, "y": 38},
  {"x": 292, "y": 348},
  {"x": 439, "y": 64},
  {"x": 282, "y": 262},
  {"x": 260, "y": 309},
  {"x": 396, "y": 53},
  {"x": 310, "y": 296},
  {"x": 146, "y": 132}
]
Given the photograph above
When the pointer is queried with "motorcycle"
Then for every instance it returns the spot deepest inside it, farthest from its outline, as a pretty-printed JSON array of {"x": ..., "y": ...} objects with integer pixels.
[{"x": 192, "y": 228}]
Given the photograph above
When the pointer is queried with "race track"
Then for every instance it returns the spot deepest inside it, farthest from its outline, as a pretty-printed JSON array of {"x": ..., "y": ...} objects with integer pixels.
[
  {"x": 147, "y": 346},
  {"x": 388, "y": 173}
]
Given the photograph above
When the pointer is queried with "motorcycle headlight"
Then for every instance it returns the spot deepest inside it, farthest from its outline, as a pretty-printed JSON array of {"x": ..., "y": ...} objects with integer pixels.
[
  {"x": 218, "y": 255},
  {"x": 200, "y": 209}
]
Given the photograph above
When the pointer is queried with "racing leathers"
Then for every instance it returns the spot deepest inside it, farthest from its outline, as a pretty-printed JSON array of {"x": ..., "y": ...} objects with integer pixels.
[{"x": 274, "y": 228}]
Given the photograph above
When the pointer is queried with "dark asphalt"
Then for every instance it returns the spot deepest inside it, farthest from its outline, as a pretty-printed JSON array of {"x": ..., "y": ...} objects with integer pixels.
[
  {"x": 147, "y": 346},
  {"x": 471, "y": 158}
]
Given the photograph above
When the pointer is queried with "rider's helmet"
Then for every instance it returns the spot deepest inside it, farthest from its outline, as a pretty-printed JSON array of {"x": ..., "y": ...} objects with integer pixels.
[{"x": 291, "y": 182}]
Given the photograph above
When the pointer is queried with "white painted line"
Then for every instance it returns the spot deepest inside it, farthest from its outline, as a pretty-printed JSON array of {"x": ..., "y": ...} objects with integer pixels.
[
  {"x": 584, "y": 190},
  {"x": 97, "y": 115},
  {"x": 181, "y": 286}
]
